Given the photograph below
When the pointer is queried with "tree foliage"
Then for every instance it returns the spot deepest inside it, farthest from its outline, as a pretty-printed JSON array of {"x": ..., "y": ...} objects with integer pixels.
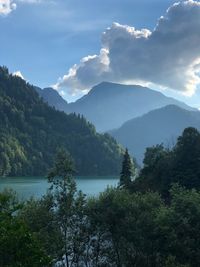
[
  {"x": 69, "y": 205},
  {"x": 128, "y": 170},
  {"x": 117, "y": 228},
  {"x": 18, "y": 245},
  {"x": 31, "y": 132},
  {"x": 163, "y": 167}
]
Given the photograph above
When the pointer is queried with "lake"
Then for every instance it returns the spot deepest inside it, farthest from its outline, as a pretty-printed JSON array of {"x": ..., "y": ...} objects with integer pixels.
[{"x": 37, "y": 186}]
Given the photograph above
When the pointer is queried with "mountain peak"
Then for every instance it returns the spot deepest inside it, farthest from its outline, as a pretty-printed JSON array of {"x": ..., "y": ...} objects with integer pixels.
[
  {"x": 108, "y": 105},
  {"x": 51, "y": 91},
  {"x": 52, "y": 97},
  {"x": 115, "y": 86},
  {"x": 110, "y": 89}
]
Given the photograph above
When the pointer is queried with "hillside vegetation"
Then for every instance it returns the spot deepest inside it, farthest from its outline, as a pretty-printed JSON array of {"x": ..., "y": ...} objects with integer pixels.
[{"x": 31, "y": 132}]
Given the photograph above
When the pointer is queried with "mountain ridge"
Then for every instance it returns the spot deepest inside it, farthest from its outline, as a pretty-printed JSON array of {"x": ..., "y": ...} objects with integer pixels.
[
  {"x": 109, "y": 105},
  {"x": 161, "y": 125},
  {"x": 31, "y": 132}
]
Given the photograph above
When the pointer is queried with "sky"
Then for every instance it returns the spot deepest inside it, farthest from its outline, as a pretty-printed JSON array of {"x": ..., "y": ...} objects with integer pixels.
[{"x": 75, "y": 44}]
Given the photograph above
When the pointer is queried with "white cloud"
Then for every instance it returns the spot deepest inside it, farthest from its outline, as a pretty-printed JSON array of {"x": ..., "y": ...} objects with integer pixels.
[
  {"x": 96, "y": 70},
  {"x": 168, "y": 57},
  {"x": 18, "y": 74},
  {"x": 6, "y": 6}
]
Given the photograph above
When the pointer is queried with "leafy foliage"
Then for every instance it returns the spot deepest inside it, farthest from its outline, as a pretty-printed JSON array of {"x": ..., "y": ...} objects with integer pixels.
[
  {"x": 163, "y": 167},
  {"x": 117, "y": 228},
  {"x": 18, "y": 245},
  {"x": 120, "y": 228},
  {"x": 68, "y": 205}
]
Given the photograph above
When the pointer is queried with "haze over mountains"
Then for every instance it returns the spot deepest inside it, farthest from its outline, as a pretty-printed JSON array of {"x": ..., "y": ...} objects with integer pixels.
[
  {"x": 31, "y": 132},
  {"x": 136, "y": 116},
  {"x": 162, "y": 125},
  {"x": 52, "y": 97},
  {"x": 109, "y": 105}
]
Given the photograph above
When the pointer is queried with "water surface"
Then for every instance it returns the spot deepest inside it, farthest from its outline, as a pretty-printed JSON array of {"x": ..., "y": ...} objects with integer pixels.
[{"x": 37, "y": 186}]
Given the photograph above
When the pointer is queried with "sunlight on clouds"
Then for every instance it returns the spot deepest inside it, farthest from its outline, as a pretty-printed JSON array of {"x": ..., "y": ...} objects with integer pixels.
[
  {"x": 168, "y": 57},
  {"x": 98, "y": 66}
]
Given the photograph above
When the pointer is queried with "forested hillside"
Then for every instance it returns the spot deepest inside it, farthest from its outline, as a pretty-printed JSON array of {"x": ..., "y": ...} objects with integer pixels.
[{"x": 31, "y": 132}]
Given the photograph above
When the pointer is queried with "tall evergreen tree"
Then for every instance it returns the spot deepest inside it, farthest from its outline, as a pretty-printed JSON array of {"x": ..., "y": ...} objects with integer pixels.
[{"x": 127, "y": 171}]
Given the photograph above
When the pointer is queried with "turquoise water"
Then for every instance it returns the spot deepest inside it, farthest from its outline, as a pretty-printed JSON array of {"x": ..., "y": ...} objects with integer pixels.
[{"x": 37, "y": 186}]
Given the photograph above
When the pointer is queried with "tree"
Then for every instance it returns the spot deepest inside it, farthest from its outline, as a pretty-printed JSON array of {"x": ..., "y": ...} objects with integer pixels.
[
  {"x": 18, "y": 245},
  {"x": 69, "y": 206},
  {"x": 186, "y": 169},
  {"x": 163, "y": 167},
  {"x": 124, "y": 227},
  {"x": 156, "y": 172},
  {"x": 178, "y": 228},
  {"x": 39, "y": 216},
  {"x": 127, "y": 171}
]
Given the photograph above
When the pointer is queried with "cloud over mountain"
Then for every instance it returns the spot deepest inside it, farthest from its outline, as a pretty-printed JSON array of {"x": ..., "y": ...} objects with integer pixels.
[{"x": 168, "y": 56}]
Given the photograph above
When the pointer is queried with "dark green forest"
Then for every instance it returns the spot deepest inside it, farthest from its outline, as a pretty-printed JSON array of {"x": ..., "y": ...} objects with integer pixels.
[
  {"x": 31, "y": 132},
  {"x": 149, "y": 220},
  {"x": 163, "y": 167}
]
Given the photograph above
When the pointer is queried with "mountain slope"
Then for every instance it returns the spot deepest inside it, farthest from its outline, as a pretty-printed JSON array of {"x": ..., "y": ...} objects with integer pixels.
[
  {"x": 109, "y": 105},
  {"x": 31, "y": 132},
  {"x": 52, "y": 97},
  {"x": 158, "y": 126}
]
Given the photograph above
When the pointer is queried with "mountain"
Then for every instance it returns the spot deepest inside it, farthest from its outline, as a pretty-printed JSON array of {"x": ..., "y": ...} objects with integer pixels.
[
  {"x": 109, "y": 105},
  {"x": 52, "y": 97},
  {"x": 31, "y": 132},
  {"x": 158, "y": 126}
]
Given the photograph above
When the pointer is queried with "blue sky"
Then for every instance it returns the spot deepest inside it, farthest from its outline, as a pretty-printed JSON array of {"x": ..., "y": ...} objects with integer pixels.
[{"x": 43, "y": 40}]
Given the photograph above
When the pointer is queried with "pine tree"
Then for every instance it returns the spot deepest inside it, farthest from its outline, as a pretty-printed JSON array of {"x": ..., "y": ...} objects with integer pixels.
[{"x": 127, "y": 170}]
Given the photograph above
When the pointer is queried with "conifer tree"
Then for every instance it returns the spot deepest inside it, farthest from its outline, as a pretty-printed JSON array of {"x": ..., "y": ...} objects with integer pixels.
[{"x": 127, "y": 171}]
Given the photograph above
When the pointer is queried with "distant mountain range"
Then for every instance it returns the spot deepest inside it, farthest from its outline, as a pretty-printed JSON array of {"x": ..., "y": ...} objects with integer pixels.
[
  {"x": 109, "y": 105},
  {"x": 31, "y": 132},
  {"x": 137, "y": 117},
  {"x": 162, "y": 125}
]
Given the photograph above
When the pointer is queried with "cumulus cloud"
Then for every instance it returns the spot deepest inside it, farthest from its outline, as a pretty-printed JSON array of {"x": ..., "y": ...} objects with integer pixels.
[
  {"x": 95, "y": 68},
  {"x": 168, "y": 56},
  {"x": 6, "y": 6}
]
